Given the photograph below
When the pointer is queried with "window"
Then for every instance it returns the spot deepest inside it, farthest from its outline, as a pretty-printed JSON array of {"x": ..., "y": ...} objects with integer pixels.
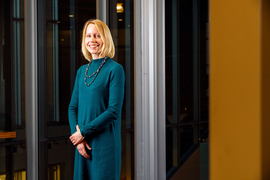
[
  {"x": 60, "y": 24},
  {"x": 12, "y": 89},
  {"x": 187, "y": 74}
]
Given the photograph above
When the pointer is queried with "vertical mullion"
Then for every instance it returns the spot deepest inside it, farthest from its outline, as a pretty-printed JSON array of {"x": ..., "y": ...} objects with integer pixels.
[
  {"x": 72, "y": 44},
  {"x": 150, "y": 67},
  {"x": 152, "y": 81},
  {"x": 195, "y": 62},
  {"x": 175, "y": 60},
  {"x": 175, "y": 77},
  {"x": 55, "y": 68},
  {"x": 195, "y": 71},
  {"x": 127, "y": 62},
  {"x": 138, "y": 116},
  {"x": 102, "y": 10},
  {"x": 31, "y": 88}
]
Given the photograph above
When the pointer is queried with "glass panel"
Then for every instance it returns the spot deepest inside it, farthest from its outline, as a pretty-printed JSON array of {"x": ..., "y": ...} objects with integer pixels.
[
  {"x": 19, "y": 152},
  {"x": 122, "y": 28},
  {"x": 13, "y": 162},
  {"x": 188, "y": 138},
  {"x": 12, "y": 89},
  {"x": 60, "y": 159},
  {"x": 172, "y": 149},
  {"x": 186, "y": 29},
  {"x": 12, "y": 78},
  {"x": 60, "y": 24}
]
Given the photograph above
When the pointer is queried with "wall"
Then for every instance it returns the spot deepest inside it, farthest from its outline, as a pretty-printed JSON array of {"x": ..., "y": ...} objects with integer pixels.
[{"x": 239, "y": 82}]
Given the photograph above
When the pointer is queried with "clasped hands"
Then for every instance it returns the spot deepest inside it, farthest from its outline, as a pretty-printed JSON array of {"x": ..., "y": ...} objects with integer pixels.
[{"x": 78, "y": 139}]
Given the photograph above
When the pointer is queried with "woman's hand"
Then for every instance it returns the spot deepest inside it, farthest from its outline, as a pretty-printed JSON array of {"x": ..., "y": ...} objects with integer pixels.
[
  {"x": 81, "y": 148},
  {"x": 77, "y": 137}
]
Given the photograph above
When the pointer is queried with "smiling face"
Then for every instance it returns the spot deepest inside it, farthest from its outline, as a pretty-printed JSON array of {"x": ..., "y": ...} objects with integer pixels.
[{"x": 93, "y": 41}]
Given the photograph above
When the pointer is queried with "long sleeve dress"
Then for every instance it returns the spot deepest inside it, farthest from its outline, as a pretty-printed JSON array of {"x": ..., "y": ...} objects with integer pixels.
[{"x": 97, "y": 111}]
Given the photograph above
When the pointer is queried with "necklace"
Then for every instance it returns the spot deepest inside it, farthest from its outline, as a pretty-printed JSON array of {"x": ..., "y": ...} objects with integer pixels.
[{"x": 95, "y": 73}]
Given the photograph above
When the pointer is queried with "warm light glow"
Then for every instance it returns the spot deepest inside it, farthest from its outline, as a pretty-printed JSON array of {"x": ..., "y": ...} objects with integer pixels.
[
  {"x": 120, "y": 19},
  {"x": 70, "y": 15},
  {"x": 119, "y": 8}
]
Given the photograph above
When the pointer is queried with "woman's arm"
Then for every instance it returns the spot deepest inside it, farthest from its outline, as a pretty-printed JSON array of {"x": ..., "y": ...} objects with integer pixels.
[{"x": 73, "y": 106}]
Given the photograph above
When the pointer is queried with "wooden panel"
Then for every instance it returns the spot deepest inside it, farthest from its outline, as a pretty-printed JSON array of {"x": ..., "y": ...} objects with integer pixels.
[
  {"x": 5, "y": 134},
  {"x": 235, "y": 90}
]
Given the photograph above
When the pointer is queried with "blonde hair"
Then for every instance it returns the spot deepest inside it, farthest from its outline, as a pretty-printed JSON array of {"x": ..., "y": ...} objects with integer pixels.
[{"x": 106, "y": 37}]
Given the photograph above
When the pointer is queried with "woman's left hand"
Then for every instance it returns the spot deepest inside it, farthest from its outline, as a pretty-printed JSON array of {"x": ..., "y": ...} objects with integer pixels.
[{"x": 77, "y": 137}]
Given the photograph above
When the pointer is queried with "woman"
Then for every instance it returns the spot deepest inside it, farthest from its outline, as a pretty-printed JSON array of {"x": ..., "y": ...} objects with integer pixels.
[{"x": 95, "y": 107}]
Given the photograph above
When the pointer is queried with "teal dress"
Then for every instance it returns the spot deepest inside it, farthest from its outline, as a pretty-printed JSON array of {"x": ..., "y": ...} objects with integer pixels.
[{"x": 97, "y": 111}]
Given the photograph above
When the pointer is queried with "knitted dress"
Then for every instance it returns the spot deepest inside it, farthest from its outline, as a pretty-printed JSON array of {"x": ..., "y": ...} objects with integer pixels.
[{"x": 97, "y": 111}]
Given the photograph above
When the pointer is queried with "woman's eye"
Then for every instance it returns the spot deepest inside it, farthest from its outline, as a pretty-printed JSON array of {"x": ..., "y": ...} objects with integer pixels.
[
  {"x": 98, "y": 35},
  {"x": 88, "y": 36}
]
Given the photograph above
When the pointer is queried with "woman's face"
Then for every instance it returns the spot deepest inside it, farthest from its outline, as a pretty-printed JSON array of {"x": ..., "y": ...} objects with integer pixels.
[{"x": 93, "y": 41}]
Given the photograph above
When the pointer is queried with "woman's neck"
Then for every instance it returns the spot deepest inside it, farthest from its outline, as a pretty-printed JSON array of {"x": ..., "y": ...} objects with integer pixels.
[{"x": 94, "y": 57}]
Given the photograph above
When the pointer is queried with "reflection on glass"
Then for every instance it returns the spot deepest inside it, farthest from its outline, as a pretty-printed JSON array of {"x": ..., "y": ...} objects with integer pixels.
[{"x": 186, "y": 85}]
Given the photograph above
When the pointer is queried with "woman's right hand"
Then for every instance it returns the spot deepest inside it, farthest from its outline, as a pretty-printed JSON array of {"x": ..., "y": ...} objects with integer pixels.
[
  {"x": 77, "y": 137},
  {"x": 81, "y": 148}
]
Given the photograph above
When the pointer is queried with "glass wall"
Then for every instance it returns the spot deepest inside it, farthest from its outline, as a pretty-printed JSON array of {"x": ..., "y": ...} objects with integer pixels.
[
  {"x": 60, "y": 24},
  {"x": 186, "y": 29},
  {"x": 12, "y": 90}
]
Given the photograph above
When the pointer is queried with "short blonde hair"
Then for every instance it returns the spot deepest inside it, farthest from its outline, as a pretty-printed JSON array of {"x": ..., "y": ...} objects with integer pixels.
[{"x": 106, "y": 37}]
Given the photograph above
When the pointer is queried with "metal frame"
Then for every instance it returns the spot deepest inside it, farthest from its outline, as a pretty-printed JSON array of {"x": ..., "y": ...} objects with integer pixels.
[
  {"x": 150, "y": 143},
  {"x": 102, "y": 13},
  {"x": 31, "y": 88}
]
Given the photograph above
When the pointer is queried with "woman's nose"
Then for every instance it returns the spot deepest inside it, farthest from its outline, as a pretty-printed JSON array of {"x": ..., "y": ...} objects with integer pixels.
[{"x": 92, "y": 38}]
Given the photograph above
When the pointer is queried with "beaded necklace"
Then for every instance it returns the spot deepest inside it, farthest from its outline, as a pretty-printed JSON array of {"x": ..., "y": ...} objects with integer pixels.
[{"x": 95, "y": 73}]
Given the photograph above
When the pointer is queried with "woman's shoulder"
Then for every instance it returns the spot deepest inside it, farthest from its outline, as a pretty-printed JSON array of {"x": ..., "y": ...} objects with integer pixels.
[
  {"x": 113, "y": 65},
  {"x": 82, "y": 68},
  {"x": 116, "y": 70}
]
